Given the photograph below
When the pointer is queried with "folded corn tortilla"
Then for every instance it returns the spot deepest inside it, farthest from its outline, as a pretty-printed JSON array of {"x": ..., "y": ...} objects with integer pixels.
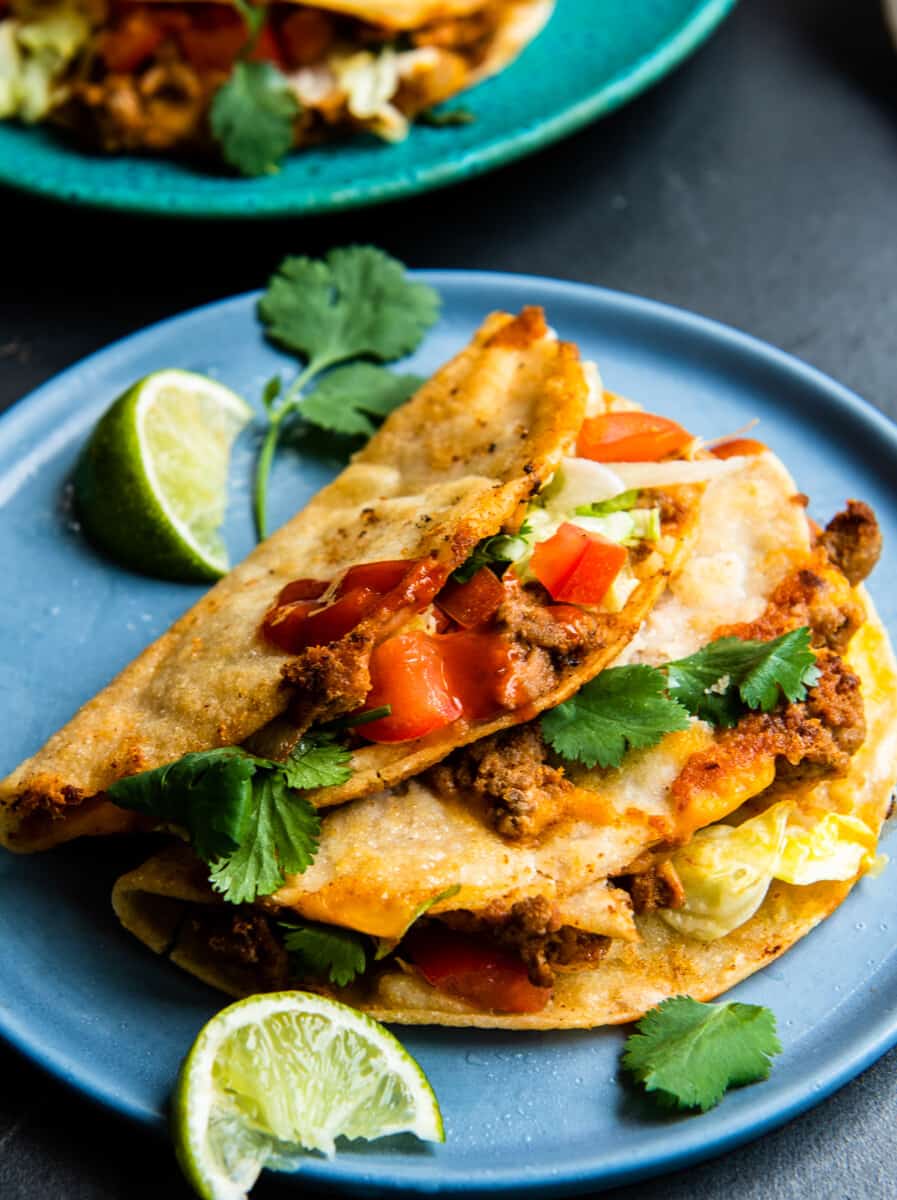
[
  {"x": 381, "y": 858},
  {"x": 456, "y": 464}
]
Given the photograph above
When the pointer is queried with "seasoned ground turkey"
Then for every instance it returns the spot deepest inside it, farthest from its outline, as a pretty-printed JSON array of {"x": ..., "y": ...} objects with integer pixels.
[
  {"x": 658, "y": 887},
  {"x": 527, "y": 616},
  {"x": 244, "y": 938},
  {"x": 817, "y": 595},
  {"x": 852, "y": 540},
  {"x": 509, "y": 771},
  {"x": 532, "y": 929},
  {"x": 808, "y": 740},
  {"x": 329, "y": 680}
]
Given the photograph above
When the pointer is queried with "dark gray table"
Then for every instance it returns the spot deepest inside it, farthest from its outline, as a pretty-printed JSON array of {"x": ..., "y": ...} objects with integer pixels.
[{"x": 757, "y": 185}]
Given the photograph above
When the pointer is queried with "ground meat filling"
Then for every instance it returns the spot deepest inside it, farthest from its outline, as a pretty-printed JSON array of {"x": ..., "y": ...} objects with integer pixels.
[
  {"x": 329, "y": 680},
  {"x": 852, "y": 540},
  {"x": 658, "y": 887},
  {"x": 509, "y": 772},
  {"x": 817, "y": 594},
  {"x": 245, "y": 939},
  {"x": 532, "y": 929}
]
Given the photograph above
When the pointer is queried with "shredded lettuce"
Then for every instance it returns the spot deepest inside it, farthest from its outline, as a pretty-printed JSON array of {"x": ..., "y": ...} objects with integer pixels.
[
  {"x": 726, "y": 870},
  {"x": 35, "y": 53}
]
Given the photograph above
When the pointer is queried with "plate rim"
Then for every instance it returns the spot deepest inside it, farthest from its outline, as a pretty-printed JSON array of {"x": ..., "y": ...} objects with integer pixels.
[
  {"x": 187, "y": 204},
  {"x": 768, "y": 1110}
]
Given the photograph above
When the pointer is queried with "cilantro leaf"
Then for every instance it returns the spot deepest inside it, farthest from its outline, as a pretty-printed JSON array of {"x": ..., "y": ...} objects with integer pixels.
[
  {"x": 326, "y": 951},
  {"x": 347, "y": 398},
  {"x": 208, "y": 793},
  {"x": 690, "y": 1053},
  {"x": 754, "y": 671},
  {"x": 786, "y": 665},
  {"x": 602, "y": 508},
  {"x": 620, "y": 708},
  {"x": 281, "y": 839},
  {"x": 357, "y": 302},
  {"x": 318, "y": 760},
  {"x": 252, "y": 117}
]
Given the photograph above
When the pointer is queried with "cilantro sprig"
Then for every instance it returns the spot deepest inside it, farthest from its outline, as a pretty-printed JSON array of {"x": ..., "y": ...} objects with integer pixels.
[
  {"x": 325, "y": 951},
  {"x": 244, "y": 816},
  {"x": 341, "y": 955},
  {"x": 355, "y": 304},
  {"x": 634, "y": 707},
  {"x": 254, "y": 111},
  {"x": 688, "y": 1054}
]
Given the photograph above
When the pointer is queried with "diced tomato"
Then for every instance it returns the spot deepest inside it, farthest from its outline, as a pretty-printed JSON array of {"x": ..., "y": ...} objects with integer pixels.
[
  {"x": 131, "y": 41},
  {"x": 630, "y": 437},
  {"x": 408, "y": 674},
  {"x": 214, "y": 45},
  {"x": 553, "y": 560},
  {"x": 594, "y": 573},
  {"x": 305, "y": 36},
  {"x": 283, "y": 624},
  {"x": 328, "y": 624},
  {"x": 473, "y": 602},
  {"x": 266, "y": 48},
  {"x": 475, "y": 969},
  {"x": 479, "y": 669},
  {"x": 737, "y": 446},
  {"x": 575, "y": 566},
  {"x": 380, "y": 577},
  {"x": 302, "y": 589}
]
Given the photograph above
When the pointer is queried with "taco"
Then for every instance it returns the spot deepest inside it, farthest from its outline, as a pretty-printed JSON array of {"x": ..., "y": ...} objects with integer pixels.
[
  {"x": 508, "y": 888},
  {"x": 388, "y": 596},
  {"x": 127, "y": 76}
]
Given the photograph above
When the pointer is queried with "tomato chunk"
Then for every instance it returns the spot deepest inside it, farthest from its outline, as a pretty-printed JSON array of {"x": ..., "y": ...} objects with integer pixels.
[
  {"x": 599, "y": 566},
  {"x": 473, "y": 602},
  {"x": 737, "y": 446},
  {"x": 302, "y": 589},
  {"x": 283, "y": 625},
  {"x": 475, "y": 969},
  {"x": 408, "y": 674},
  {"x": 479, "y": 669},
  {"x": 306, "y": 36},
  {"x": 135, "y": 37},
  {"x": 630, "y": 437},
  {"x": 380, "y": 577},
  {"x": 575, "y": 566},
  {"x": 328, "y": 624}
]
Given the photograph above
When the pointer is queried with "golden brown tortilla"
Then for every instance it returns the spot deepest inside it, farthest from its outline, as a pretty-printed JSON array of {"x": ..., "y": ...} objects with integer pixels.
[
  {"x": 381, "y": 857},
  {"x": 453, "y": 465}
]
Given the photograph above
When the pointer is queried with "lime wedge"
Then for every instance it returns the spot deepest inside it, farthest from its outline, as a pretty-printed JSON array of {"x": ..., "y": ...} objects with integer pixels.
[
  {"x": 151, "y": 484},
  {"x": 274, "y": 1076}
]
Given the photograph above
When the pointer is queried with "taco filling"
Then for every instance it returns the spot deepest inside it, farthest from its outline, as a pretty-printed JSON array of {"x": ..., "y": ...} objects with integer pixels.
[
  {"x": 520, "y": 883},
  {"x": 125, "y": 76}
]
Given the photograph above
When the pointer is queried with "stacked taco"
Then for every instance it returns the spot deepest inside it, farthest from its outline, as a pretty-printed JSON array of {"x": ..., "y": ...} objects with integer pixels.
[
  {"x": 141, "y": 76},
  {"x": 613, "y": 718}
]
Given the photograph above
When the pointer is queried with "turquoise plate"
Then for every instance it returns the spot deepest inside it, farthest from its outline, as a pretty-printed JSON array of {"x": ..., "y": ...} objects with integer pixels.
[
  {"x": 592, "y": 57},
  {"x": 543, "y": 1112}
]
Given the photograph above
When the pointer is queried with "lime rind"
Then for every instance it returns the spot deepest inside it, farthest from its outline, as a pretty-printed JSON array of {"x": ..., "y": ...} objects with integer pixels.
[
  {"x": 161, "y": 518},
  {"x": 274, "y": 1077}
]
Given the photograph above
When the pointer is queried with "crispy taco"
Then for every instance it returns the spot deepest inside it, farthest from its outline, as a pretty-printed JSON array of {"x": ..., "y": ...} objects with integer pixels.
[
  {"x": 127, "y": 76},
  {"x": 509, "y": 887},
  {"x": 473, "y": 566}
]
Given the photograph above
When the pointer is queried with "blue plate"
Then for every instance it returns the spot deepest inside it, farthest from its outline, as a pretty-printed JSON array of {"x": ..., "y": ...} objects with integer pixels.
[
  {"x": 529, "y": 1111},
  {"x": 592, "y": 57}
]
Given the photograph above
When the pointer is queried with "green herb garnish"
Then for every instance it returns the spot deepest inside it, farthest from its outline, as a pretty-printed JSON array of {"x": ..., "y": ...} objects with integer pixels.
[
  {"x": 253, "y": 113},
  {"x": 688, "y": 1054},
  {"x": 325, "y": 951},
  {"x": 357, "y": 303},
  {"x": 243, "y": 815},
  {"x": 636, "y": 706}
]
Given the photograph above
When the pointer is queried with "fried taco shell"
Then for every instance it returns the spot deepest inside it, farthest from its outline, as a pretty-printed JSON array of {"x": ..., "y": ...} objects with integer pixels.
[{"x": 568, "y": 886}]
